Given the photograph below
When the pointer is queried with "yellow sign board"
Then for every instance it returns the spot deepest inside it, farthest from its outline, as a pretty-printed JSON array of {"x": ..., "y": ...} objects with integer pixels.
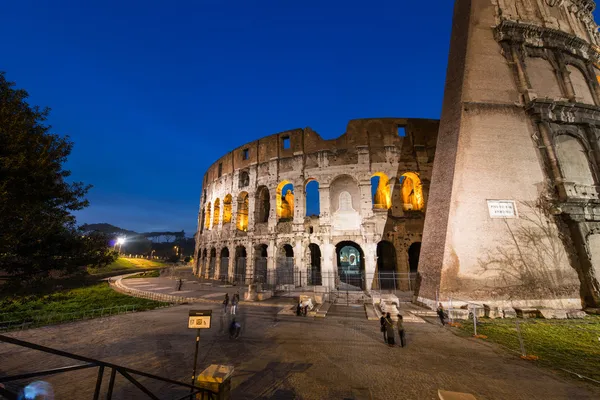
[{"x": 199, "y": 319}]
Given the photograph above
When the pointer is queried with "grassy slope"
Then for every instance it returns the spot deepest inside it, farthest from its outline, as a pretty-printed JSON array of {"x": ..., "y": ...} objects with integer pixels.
[
  {"x": 79, "y": 300},
  {"x": 123, "y": 264},
  {"x": 573, "y": 345}
]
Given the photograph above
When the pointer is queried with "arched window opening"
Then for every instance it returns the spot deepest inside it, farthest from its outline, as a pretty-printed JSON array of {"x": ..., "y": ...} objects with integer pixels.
[
  {"x": 285, "y": 265},
  {"x": 242, "y": 213},
  {"x": 313, "y": 206},
  {"x": 314, "y": 269},
  {"x": 573, "y": 160},
  {"x": 239, "y": 275},
  {"x": 263, "y": 205},
  {"x": 224, "y": 264},
  {"x": 350, "y": 261},
  {"x": 227, "y": 209},
  {"x": 212, "y": 263},
  {"x": 543, "y": 78},
  {"x": 413, "y": 257},
  {"x": 381, "y": 191},
  {"x": 217, "y": 212},
  {"x": 244, "y": 179},
  {"x": 260, "y": 263},
  {"x": 207, "y": 218},
  {"x": 386, "y": 265},
  {"x": 580, "y": 85},
  {"x": 285, "y": 201},
  {"x": 412, "y": 192}
]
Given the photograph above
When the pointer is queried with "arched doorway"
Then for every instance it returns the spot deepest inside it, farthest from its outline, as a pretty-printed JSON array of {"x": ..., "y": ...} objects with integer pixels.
[
  {"x": 203, "y": 265},
  {"x": 413, "y": 257},
  {"x": 224, "y": 265},
  {"x": 386, "y": 265},
  {"x": 285, "y": 265},
  {"x": 260, "y": 263},
  {"x": 314, "y": 268},
  {"x": 351, "y": 267},
  {"x": 239, "y": 275},
  {"x": 212, "y": 262}
]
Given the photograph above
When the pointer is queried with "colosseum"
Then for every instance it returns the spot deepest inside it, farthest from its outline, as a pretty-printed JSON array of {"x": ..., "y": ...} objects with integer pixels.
[{"x": 293, "y": 210}]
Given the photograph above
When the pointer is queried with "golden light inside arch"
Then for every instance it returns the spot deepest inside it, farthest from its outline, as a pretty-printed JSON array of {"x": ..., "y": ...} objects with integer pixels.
[
  {"x": 284, "y": 201},
  {"x": 383, "y": 195},
  {"x": 227, "y": 209},
  {"x": 207, "y": 217},
  {"x": 412, "y": 192},
  {"x": 242, "y": 213},
  {"x": 216, "y": 212}
]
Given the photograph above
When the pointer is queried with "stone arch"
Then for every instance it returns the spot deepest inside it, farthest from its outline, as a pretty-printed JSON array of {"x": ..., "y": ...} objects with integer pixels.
[
  {"x": 381, "y": 192},
  {"x": 285, "y": 201},
  {"x": 239, "y": 273},
  {"x": 573, "y": 160},
  {"x": 581, "y": 88},
  {"x": 224, "y": 264},
  {"x": 260, "y": 263},
  {"x": 350, "y": 265},
  {"x": 314, "y": 265},
  {"x": 413, "y": 257},
  {"x": 285, "y": 265},
  {"x": 242, "y": 212},
  {"x": 386, "y": 265},
  {"x": 217, "y": 212},
  {"x": 411, "y": 189},
  {"x": 227, "y": 202},
  {"x": 262, "y": 205},
  {"x": 311, "y": 198},
  {"x": 543, "y": 78},
  {"x": 244, "y": 179},
  {"x": 207, "y": 214}
]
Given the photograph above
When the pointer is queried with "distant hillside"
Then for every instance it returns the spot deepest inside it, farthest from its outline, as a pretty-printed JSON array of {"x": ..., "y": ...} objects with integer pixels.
[{"x": 108, "y": 229}]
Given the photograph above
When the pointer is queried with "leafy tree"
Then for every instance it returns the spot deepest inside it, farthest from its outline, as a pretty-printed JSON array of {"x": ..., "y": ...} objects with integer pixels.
[{"x": 38, "y": 231}]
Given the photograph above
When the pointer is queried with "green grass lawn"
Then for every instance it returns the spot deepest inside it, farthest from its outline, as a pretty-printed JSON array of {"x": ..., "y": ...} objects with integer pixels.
[
  {"x": 148, "y": 274},
  {"x": 572, "y": 345},
  {"x": 70, "y": 304},
  {"x": 123, "y": 264}
]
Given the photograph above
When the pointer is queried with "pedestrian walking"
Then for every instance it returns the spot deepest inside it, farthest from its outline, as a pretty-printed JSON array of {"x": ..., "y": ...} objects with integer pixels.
[
  {"x": 382, "y": 328},
  {"x": 389, "y": 327},
  {"x": 401, "y": 331},
  {"x": 234, "y": 329},
  {"x": 225, "y": 303},
  {"x": 234, "y": 303},
  {"x": 441, "y": 314},
  {"x": 179, "y": 284}
]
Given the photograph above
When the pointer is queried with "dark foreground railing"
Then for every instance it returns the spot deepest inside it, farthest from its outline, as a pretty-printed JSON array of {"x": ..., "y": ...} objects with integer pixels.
[{"x": 127, "y": 373}]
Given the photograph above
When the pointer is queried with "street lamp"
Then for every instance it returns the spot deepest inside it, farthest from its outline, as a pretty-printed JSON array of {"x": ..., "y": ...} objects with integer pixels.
[{"x": 120, "y": 242}]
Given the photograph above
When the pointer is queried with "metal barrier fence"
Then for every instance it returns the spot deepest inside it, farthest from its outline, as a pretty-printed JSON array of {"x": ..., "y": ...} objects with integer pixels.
[{"x": 87, "y": 362}]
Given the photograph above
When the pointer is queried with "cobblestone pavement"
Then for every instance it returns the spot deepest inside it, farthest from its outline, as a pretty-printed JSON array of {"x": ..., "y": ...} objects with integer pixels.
[{"x": 289, "y": 358}]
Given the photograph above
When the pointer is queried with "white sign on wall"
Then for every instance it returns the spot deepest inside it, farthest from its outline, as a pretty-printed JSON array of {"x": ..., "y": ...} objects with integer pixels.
[{"x": 502, "y": 208}]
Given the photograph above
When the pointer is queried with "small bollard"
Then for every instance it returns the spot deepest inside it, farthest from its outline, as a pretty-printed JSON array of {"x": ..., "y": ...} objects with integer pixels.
[{"x": 216, "y": 378}]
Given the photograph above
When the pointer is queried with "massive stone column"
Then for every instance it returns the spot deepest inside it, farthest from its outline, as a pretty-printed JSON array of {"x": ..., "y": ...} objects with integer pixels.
[{"x": 495, "y": 228}]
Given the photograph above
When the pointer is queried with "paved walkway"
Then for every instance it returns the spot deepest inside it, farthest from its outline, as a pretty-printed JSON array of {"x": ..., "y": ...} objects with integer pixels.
[{"x": 290, "y": 358}]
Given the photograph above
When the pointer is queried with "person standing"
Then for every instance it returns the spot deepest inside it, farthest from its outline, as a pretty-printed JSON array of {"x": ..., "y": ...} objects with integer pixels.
[
  {"x": 389, "y": 327},
  {"x": 441, "y": 314},
  {"x": 234, "y": 303},
  {"x": 225, "y": 303},
  {"x": 382, "y": 328},
  {"x": 401, "y": 331}
]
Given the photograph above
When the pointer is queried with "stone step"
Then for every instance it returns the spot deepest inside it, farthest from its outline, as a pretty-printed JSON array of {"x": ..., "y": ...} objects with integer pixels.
[{"x": 337, "y": 310}]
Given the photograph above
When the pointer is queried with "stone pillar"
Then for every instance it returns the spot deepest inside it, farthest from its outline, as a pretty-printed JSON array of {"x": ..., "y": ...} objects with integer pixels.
[
  {"x": 249, "y": 263},
  {"x": 217, "y": 266},
  {"x": 271, "y": 264},
  {"x": 328, "y": 267},
  {"x": 251, "y": 208},
  {"x": 370, "y": 252},
  {"x": 299, "y": 203},
  {"x": 366, "y": 202},
  {"x": 231, "y": 263},
  {"x": 325, "y": 205},
  {"x": 206, "y": 274},
  {"x": 299, "y": 264}
]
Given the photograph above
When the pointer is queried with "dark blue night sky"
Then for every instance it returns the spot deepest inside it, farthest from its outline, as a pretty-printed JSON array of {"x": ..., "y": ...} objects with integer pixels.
[{"x": 152, "y": 92}]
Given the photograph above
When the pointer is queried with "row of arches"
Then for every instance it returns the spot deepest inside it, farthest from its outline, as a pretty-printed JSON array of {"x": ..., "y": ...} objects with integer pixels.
[
  {"x": 411, "y": 196},
  {"x": 350, "y": 261}
]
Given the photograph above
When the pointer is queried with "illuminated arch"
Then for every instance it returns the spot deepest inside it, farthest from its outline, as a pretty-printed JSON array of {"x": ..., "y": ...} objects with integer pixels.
[
  {"x": 227, "y": 209},
  {"x": 381, "y": 189},
  {"x": 412, "y": 192},
  {"x": 242, "y": 212},
  {"x": 285, "y": 202},
  {"x": 217, "y": 212},
  {"x": 207, "y": 216}
]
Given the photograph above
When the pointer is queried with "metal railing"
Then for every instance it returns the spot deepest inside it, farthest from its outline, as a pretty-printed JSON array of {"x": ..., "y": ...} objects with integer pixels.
[{"x": 88, "y": 362}]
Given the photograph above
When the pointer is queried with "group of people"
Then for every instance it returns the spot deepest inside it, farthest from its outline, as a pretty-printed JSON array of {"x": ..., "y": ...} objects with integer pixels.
[
  {"x": 234, "y": 303},
  {"x": 389, "y": 334}
]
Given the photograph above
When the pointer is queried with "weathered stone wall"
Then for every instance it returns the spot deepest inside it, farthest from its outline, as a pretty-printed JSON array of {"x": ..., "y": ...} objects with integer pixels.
[
  {"x": 521, "y": 74},
  {"x": 343, "y": 168}
]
